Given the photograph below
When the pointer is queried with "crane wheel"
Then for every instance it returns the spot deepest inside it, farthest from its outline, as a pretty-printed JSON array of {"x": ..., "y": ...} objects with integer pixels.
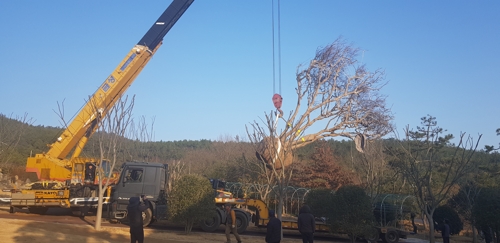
[
  {"x": 211, "y": 224},
  {"x": 241, "y": 222}
]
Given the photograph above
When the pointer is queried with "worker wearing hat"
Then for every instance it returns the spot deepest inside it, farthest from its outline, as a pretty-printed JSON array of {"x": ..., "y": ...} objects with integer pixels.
[
  {"x": 136, "y": 205},
  {"x": 231, "y": 224}
]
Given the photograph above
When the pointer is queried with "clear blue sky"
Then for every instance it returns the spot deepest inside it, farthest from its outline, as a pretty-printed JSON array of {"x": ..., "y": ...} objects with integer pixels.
[{"x": 214, "y": 73}]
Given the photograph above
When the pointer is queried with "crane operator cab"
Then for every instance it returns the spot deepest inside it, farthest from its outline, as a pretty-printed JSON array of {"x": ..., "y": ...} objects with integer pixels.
[{"x": 89, "y": 173}]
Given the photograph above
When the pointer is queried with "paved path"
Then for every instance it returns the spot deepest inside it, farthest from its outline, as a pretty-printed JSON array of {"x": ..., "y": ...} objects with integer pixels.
[{"x": 414, "y": 240}]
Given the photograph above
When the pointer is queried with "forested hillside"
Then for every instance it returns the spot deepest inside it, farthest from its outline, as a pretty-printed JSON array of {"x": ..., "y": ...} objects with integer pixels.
[{"x": 328, "y": 164}]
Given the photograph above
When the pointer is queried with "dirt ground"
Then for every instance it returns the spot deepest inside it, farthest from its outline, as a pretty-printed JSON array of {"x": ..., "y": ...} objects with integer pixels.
[
  {"x": 24, "y": 231},
  {"x": 23, "y": 228}
]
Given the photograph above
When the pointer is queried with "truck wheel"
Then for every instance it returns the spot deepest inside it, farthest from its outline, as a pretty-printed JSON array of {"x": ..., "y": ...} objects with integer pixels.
[
  {"x": 75, "y": 211},
  {"x": 38, "y": 210},
  {"x": 241, "y": 222},
  {"x": 211, "y": 224},
  {"x": 147, "y": 217},
  {"x": 391, "y": 236},
  {"x": 373, "y": 236}
]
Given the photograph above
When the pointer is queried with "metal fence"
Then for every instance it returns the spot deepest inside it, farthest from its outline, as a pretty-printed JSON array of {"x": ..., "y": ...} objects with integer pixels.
[
  {"x": 388, "y": 208},
  {"x": 294, "y": 196}
]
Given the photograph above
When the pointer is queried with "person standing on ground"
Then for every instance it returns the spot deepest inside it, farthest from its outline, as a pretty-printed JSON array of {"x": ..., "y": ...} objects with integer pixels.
[
  {"x": 273, "y": 234},
  {"x": 231, "y": 224},
  {"x": 445, "y": 231},
  {"x": 487, "y": 234},
  {"x": 134, "y": 214},
  {"x": 307, "y": 224},
  {"x": 413, "y": 223}
]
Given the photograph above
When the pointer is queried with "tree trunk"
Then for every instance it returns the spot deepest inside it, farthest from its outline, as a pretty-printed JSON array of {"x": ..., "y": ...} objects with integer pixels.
[
  {"x": 474, "y": 234},
  {"x": 432, "y": 238},
  {"x": 98, "y": 217},
  {"x": 280, "y": 206},
  {"x": 189, "y": 227},
  {"x": 352, "y": 238}
]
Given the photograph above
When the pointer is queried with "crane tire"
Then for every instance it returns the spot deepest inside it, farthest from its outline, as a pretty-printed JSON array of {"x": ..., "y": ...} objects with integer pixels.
[
  {"x": 211, "y": 224},
  {"x": 241, "y": 222}
]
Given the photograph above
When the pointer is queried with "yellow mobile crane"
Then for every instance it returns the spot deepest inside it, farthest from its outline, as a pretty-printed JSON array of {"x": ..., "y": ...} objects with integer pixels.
[{"x": 58, "y": 173}]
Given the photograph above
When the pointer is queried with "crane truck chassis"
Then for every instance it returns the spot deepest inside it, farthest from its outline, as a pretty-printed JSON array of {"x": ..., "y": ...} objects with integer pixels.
[{"x": 71, "y": 182}]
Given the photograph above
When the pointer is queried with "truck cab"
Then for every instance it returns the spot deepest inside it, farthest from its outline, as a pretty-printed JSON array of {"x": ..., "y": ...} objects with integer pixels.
[
  {"x": 149, "y": 180},
  {"x": 140, "y": 179}
]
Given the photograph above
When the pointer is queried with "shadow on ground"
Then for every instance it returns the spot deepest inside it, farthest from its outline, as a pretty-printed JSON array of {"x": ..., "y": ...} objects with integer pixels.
[{"x": 41, "y": 232}]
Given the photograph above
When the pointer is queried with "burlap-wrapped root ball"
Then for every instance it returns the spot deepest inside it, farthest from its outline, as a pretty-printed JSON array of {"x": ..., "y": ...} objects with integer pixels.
[{"x": 273, "y": 154}]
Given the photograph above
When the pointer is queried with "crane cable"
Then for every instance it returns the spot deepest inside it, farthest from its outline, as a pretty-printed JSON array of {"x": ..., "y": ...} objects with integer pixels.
[
  {"x": 274, "y": 49},
  {"x": 277, "y": 99}
]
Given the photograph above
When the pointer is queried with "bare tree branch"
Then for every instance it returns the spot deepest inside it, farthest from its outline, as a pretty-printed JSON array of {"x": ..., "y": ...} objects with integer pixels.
[{"x": 341, "y": 97}]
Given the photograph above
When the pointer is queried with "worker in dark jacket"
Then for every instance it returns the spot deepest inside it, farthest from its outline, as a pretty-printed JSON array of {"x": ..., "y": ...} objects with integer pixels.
[
  {"x": 273, "y": 234},
  {"x": 134, "y": 213},
  {"x": 445, "y": 231},
  {"x": 307, "y": 224}
]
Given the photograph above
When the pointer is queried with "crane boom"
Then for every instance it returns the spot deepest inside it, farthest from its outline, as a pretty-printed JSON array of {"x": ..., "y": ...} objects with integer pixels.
[{"x": 54, "y": 164}]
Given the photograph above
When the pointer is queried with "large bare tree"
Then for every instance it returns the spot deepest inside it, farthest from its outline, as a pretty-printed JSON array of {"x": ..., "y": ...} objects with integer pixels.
[
  {"x": 432, "y": 165},
  {"x": 341, "y": 96},
  {"x": 336, "y": 97}
]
